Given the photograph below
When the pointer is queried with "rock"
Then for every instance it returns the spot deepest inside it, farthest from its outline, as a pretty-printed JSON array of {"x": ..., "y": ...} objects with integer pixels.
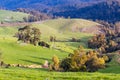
[{"x": 46, "y": 64}]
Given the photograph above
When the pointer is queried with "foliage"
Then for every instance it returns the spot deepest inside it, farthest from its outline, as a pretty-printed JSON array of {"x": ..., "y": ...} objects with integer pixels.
[
  {"x": 81, "y": 60},
  {"x": 14, "y": 53},
  {"x": 107, "y": 42},
  {"x": 52, "y": 38},
  {"x": 75, "y": 40},
  {"x": 95, "y": 63},
  {"x": 0, "y": 56},
  {"x": 29, "y": 35},
  {"x": 55, "y": 65},
  {"x": 34, "y": 15}
]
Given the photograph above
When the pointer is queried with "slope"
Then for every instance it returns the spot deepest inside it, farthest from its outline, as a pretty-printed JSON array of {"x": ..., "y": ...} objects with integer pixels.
[
  {"x": 10, "y": 16},
  {"x": 14, "y": 52},
  {"x": 61, "y": 28},
  {"x": 67, "y": 28}
]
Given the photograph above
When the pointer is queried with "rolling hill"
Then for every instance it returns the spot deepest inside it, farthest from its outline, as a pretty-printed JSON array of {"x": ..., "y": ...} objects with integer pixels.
[
  {"x": 14, "y": 52},
  {"x": 63, "y": 28},
  {"x": 10, "y": 16}
]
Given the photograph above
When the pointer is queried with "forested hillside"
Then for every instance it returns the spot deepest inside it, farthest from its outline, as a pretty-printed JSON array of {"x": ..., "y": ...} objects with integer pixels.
[{"x": 107, "y": 10}]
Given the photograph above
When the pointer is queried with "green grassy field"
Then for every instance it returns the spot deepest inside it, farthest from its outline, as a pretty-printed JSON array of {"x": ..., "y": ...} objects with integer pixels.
[
  {"x": 9, "y": 16},
  {"x": 110, "y": 73},
  {"x": 14, "y": 52}
]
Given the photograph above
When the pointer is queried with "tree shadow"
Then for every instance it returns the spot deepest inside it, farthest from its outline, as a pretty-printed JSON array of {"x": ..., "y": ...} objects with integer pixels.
[
  {"x": 33, "y": 62},
  {"x": 41, "y": 58},
  {"x": 111, "y": 69}
]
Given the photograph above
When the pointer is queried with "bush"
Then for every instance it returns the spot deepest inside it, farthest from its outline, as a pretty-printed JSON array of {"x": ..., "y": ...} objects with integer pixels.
[
  {"x": 95, "y": 63},
  {"x": 81, "y": 60},
  {"x": 55, "y": 65},
  {"x": 66, "y": 64}
]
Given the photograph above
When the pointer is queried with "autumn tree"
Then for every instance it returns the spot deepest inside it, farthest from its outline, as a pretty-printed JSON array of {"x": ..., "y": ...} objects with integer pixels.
[
  {"x": 55, "y": 65},
  {"x": 108, "y": 41},
  {"x": 81, "y": 60},
  {"x": 95, "y": 63}
]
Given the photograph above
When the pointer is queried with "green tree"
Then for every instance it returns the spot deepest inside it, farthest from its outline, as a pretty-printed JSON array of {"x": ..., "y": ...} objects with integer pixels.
[{"x": 29, "y": 35}]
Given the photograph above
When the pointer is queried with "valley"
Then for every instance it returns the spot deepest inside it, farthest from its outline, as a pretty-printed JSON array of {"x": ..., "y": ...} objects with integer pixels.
[{"x": 68, "y": 34}]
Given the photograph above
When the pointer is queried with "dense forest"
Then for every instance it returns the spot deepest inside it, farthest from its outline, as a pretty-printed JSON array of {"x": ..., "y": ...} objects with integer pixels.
[{"x": 107, "y": 10}]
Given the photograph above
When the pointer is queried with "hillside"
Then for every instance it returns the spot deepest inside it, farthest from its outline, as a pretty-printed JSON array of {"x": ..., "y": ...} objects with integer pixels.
[
  {"x": 107, "y": 10},
  {"x": 14, "y": 52},
  {"x": 71, "y": 25},
  {"x": 63, "y": 28},
  {"x": 43, "y": 3},
  {"x": 10, "y": 16}
]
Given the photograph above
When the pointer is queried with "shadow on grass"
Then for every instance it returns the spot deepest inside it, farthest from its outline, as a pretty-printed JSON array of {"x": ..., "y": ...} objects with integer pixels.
[
  {"x": 41, "y": 58},
  {"x": 111, "y": 69},
  {"x": 83, "y": 41},
  {"x": 19, "y": 68},
  {"x": 33, "y": 62},
  {"x": 41, "y": 69}
]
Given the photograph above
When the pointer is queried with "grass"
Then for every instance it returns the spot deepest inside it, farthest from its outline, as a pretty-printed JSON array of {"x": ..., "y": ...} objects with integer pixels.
[
  {"x": 67, "y": 24},
  {"x": 14, "y": 52},
  {"x": 8, "y": 31},
  {"x": 62, "y": 28},
  {"x": 9, "y": 16},
  {"x": 43, "y": 74}
]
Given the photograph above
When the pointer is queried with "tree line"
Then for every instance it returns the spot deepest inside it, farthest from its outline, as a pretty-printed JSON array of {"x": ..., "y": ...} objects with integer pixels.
[
  {"x": 34, "y": 15},
  {"x": 109, "y": 40}
]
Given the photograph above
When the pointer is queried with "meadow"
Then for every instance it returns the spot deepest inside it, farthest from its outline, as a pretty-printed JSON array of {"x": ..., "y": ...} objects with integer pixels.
[
  {"x": 10, "y": 16},
  {"x": 14, "y": 52}
]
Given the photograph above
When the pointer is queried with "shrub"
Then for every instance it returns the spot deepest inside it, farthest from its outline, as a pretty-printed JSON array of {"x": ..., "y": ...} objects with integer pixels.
[
  {"x": 66, "y": 64},
  {"x": 95, "y": 63},
  {"x": 55, "y": 65},
  {"x": 81, "y": 60}
]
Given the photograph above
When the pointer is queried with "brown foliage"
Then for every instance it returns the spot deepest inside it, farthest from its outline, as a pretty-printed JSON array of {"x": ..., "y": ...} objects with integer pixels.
[{"x": 107, "y": 42}]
